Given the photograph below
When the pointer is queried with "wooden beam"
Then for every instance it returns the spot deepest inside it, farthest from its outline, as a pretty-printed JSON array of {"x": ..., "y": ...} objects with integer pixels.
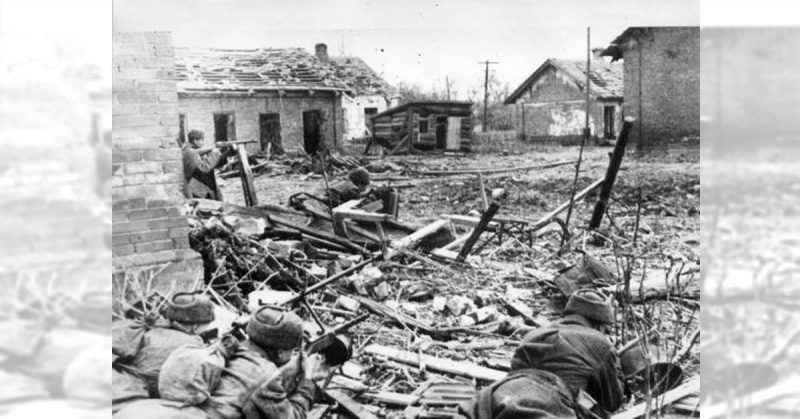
[
  {"x": 492, "y": 170},
  {"x": 611, "y": 174},
  {"x": 486, "y": 218},
  {"x": 545, "y": 219},
  {"x": 246, "y": 174},
  {"x": 414, "y": 238},
  {"x": 351, "y": 406},
  {"x": 466, "y": 369},
  {"x": 786, "y": 388},
  {"x": 686, "y": 389}
]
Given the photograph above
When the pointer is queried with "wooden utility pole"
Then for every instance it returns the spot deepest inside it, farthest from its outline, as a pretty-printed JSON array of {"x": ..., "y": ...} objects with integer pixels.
[
  {"x": 447, "y": 85},
  {"x": 486, "y": 91},
  {"x": 564, "y": 238}
]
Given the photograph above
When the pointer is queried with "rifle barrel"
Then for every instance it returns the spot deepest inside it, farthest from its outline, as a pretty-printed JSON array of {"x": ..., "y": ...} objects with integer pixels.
[{"x": 328, "y": 281}]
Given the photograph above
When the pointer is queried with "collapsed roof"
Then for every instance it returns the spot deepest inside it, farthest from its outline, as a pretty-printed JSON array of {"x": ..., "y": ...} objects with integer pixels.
[{"x": 272, "y": 69}]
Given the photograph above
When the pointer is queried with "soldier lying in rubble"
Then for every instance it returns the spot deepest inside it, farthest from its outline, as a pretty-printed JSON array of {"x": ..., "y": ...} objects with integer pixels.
[
  {"x": 139, "y": 350},
  {"x": 554, "y": 364},
  {"x": 354, "y": 187},
  {"x": 260, "y": 381}
]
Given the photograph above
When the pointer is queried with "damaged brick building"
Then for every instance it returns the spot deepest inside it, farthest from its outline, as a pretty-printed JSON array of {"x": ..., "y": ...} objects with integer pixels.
[
  {"x": 551, "y": 103},
  {"x": 661, "y": 85},
  {"x": 148, "y": 227},
  {"x": 284, "y": 97}
]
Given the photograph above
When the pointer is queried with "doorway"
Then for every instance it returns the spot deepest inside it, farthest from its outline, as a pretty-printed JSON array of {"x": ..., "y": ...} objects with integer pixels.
[
  {"x": 608, "y": 122},
  {"x": 270, "y": 126},
  {"x": 312, "y": 131},
  {"x": 441, "y": 132}
]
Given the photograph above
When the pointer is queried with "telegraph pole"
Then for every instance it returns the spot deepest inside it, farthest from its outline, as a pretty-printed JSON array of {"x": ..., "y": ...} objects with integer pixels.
[
  {"x": 486, "y": 91},
  {"x": 447, "y": 84}
]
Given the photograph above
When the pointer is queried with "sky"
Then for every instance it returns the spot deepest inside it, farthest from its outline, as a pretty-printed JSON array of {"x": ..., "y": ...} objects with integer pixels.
[{"x": 413, "y": 41}]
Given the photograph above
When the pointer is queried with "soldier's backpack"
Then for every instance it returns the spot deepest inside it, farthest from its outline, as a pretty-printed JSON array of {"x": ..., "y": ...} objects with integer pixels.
[{"x": 192, "y": 372}]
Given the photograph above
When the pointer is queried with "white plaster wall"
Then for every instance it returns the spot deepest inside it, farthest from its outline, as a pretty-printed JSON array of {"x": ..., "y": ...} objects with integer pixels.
[{"x": 353, "y": 108}]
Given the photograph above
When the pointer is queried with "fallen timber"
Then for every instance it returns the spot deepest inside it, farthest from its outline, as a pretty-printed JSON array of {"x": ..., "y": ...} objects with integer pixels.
[
  {"x": 421, "y": 361},
  {"x": 490, "y": 170}
]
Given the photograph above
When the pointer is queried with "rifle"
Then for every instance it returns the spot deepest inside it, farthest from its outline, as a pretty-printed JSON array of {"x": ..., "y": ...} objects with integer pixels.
[{"x": 335, "y": 348}]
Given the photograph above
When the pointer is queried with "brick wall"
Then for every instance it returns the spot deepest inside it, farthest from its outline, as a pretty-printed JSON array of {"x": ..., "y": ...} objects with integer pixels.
[
  {"x": 662, "y": 85},
  {"x": 199, "y": 110},
  {"x": 556, "y": 107},
  {"x": 146, "y": 187}
]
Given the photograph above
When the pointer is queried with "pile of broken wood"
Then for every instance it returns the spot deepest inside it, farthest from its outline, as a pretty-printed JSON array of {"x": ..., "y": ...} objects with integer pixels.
[{"x": 446, "y": 300}]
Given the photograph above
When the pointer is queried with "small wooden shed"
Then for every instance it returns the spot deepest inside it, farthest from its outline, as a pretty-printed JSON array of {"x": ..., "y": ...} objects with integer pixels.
[{"x": 433, "y": 125}]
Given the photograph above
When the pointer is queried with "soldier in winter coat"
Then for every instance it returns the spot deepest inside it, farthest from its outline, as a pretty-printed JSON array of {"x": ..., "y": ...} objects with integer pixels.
[{"x": 554, "y": 364}]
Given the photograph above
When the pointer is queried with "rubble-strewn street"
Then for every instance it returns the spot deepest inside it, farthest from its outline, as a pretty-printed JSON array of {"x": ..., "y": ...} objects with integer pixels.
[
  {"x": 297, "y": 237},
  {"x": 433, "y": 320}
]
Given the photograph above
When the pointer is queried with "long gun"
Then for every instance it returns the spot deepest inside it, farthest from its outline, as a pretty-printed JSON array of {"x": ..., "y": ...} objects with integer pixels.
[{"x": 336, "y": 349}]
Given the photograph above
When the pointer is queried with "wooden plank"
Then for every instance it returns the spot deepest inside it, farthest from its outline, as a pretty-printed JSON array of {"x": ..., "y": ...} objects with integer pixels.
[
  {"x": 468, "y": 221},
  {"x": 486, "y": 218},
  {"x": 410, "y": 129},
  {"x": 545, "y": 219},
  {"x": 457, "y": 242},
  {"x": 246, "y": 174},
  {"x": 399, "y": 146},
  {"x": 611, "y": 174},
  {"x": 466, "y": 369},
  {"x": 690, "y": 387},
  {"x": 414, "y": 238},
  {"x": 392, "y": 398},
  {"x": 492, "y": 170},
  {"x": 351, "y": 406},
  {"x": 786, "y": 388}
]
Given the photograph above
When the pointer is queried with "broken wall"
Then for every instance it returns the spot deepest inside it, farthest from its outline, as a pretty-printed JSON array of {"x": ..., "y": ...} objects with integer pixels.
[
  {"x": 662, "y": 88},
  {"x": 147, "y": 171},
  {"x": 355, "y": 121},
  {"x": 200, "y": 108}
]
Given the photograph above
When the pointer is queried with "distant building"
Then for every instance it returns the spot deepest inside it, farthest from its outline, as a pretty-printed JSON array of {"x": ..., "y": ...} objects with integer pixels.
[
  {"x": 371, "y": 94},
  {"x": 661, "y": 84},
  {"x": 427, "y": 125},
  {"x": 288, "y": 98},
  {"x": 551, "y": 103}
]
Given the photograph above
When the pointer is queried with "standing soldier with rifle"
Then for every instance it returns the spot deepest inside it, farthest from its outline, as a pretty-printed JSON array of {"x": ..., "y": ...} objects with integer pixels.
[{"x": 199, "y": 165}]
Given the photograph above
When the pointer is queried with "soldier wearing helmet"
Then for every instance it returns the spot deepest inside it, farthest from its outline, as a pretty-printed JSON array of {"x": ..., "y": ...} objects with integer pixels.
[{"x": 554, "y": 364}]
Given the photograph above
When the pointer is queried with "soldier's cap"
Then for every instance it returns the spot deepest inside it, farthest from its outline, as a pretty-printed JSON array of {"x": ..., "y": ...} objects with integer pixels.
[
  {"x": 591, "y": 304},
  {"x": 190, "y": 308},
  {"x": 274, "y": 327}
]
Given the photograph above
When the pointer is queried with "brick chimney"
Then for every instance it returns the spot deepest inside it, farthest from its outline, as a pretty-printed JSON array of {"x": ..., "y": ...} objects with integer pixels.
[{"x": 321, "y": 51}]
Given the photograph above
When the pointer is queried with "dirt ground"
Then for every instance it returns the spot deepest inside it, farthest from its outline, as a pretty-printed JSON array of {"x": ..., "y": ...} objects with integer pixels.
[{"x": 666, "y": 197}]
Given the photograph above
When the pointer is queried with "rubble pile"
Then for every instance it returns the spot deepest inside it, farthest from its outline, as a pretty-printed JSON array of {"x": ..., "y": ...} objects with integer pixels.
[{"x": 434, "y": 311}]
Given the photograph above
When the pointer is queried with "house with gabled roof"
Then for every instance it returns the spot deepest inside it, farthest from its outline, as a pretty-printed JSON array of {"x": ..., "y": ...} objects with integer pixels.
[
  {"x": 551, "y": 102},
  {"x": 286, "y": 99}
]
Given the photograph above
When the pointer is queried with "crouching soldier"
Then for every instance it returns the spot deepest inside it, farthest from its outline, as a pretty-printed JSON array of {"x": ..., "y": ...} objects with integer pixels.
[
  {"x": 554, "y": 364},
  {"x": 262, "y": 380},
  {"x": 354, "y": 187},
  {"x": 139, "y": 350}
]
